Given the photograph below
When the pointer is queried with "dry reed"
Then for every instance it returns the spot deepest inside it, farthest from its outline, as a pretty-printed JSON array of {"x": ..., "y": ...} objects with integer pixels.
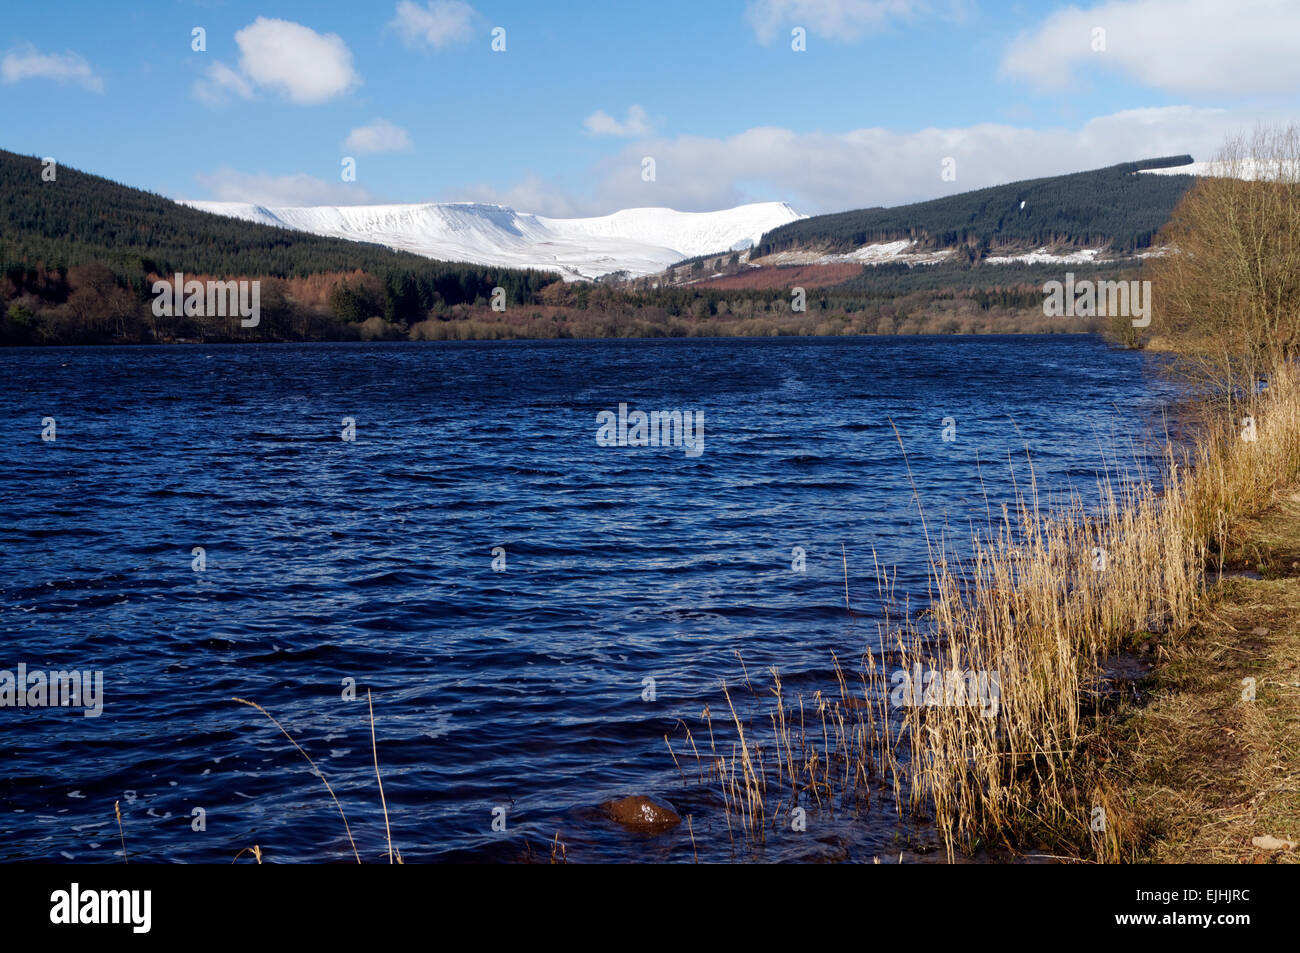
[{"x": 1037, "y": 601}]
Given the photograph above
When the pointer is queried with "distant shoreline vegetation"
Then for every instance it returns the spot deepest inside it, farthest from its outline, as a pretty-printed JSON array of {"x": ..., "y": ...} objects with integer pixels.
[
  {"x": 97, "y": 312},
  {"x": 81, "y": 257},
  {"x": 88, "y": 304}
]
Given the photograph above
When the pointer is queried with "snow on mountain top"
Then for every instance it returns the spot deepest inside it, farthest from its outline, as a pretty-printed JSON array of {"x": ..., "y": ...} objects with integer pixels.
[
  {"x": 692, "y": 233},
  {"x": 1246, "y": 168},
  {"x": 640, "y": 241}
]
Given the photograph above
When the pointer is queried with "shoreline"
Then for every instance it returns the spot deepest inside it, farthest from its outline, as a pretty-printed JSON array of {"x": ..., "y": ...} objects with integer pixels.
[
  {"x": 1191, "y": 751},
  {"x": 1086, "y": 332},
  {"x": 1209, "y": 749},
  {"x": 1064, "y": 633}
]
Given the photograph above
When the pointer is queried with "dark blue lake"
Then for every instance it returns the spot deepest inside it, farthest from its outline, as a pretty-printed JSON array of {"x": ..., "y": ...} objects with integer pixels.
[{"x": 372, "y": 559}]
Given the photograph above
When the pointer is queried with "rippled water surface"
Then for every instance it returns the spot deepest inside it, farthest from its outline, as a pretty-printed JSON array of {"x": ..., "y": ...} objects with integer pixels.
[{"x": 372, "y": 560}]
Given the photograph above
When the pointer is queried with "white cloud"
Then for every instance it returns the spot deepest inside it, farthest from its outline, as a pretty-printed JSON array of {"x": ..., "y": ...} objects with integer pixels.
[
  {"x": 637, "y": 123},
  {"x": 829, "y": 172},
  {"x": 379, "y": 136},
  {"x": 1188, "y": 47},
  {"x": 220, "y": 83},
  {"x": 834, "y": 19},
  {"x": 437, "y": 24},
  {"x": 259, "y": 188},
  {"x": 68, "y": 68},
  {"x": 295, "y": 60}
]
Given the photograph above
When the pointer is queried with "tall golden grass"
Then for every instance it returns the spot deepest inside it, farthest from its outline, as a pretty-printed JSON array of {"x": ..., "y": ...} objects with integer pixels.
[{"x": 1028, "y": 599}]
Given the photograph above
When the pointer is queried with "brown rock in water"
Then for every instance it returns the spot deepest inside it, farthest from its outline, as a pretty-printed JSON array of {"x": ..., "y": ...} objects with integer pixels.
[{"x": 642, "y": 815}]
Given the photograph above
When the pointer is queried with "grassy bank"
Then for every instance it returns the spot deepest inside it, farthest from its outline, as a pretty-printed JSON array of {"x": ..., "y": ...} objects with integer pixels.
[{"x": 1208, "y": 754}]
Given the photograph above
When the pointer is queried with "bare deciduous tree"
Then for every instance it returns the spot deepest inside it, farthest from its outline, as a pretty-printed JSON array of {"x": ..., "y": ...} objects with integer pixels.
[{"x": 1226, "y": 294}]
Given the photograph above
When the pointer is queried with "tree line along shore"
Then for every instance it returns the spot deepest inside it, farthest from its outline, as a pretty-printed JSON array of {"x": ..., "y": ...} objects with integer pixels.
[{"x": 81, "y": 258}]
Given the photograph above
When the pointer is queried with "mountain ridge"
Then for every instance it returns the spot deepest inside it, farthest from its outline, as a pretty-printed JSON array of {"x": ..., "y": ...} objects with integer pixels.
[
  {"x": 634, "y": 242},
  {"x": 1112, "y": 207}
]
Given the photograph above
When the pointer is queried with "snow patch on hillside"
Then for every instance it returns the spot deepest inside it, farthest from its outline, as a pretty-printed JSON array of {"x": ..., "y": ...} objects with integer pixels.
[
  {"x": 880, "y": 253},
  {"x": 906, "y": 252},
  {"x": 1042, "y": 256}
]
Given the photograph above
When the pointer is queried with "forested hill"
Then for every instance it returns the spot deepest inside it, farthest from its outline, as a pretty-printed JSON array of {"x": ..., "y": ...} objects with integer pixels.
[
  {"x": 79, "y": 219},
  {"x": 1115, "y": 207}
]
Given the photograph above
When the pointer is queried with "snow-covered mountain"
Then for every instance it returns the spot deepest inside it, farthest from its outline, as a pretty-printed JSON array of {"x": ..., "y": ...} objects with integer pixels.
[{"x": 640, "y": 241}]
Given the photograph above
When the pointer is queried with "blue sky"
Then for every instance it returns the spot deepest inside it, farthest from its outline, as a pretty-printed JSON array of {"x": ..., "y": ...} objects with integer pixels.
[{"x": 560, "y": 121}]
